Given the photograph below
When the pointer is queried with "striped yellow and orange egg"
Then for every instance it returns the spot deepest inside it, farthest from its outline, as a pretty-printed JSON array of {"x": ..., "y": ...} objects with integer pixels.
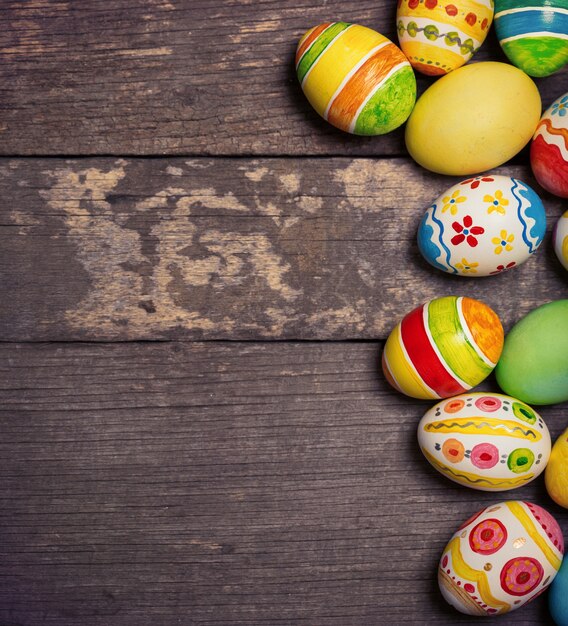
[
  {"x": 443, "y": 348},
  {"x": 355, "y": 78},
  {"x": 485, "y": 441},
  {"x": 439, "y": 36},
  {"x": 501, "y": 558}
]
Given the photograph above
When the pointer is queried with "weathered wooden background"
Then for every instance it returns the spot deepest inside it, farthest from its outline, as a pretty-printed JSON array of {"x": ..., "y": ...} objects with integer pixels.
[{"x": 197, "y": 275}]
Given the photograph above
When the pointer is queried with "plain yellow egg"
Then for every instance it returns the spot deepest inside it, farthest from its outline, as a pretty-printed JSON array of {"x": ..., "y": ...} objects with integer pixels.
[
  {"x": 473, "y": 119},
  {"x": 556, "y": 475}
]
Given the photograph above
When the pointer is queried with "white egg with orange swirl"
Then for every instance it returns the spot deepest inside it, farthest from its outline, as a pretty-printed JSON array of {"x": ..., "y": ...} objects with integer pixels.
[{"x": 485, "y": 441}]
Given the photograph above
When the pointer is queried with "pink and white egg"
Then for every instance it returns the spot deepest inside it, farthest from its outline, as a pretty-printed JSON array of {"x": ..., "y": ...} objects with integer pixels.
[{"x": 501, "y": 558}]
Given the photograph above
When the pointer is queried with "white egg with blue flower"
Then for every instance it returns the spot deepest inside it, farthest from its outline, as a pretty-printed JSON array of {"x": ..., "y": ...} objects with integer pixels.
[{"x": 482, "y": 226}]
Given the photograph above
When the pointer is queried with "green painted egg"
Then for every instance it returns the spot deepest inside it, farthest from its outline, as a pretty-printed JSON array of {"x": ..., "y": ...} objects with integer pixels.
[
  {"x": 534, "y": 364},
  {"x": 533, "y": 34}
]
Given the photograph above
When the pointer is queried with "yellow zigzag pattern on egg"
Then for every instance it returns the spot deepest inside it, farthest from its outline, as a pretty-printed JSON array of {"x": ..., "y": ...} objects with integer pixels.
[
  {"x": 492, "y": 483},
  {"x": 463, "y": 570},
  {"x": 519, "y": 512},
  {"x": 488, "y": 426}
]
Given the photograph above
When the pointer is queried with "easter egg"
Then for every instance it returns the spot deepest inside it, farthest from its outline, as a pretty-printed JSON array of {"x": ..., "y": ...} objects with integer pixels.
[
  {"x": 438, "y": 37},
  {"x": 501, "y": 558},
  {"x": 443, "y": 348},
  {"x": 533, "y": 34},
  {"x": 486, "y": 441},
  {"x": 560, "y": 239},
  {"x": 470, "y": 120},
  {"x": 549, "y": 148},
  {"x": 482, "y": 226},
  {"x": 556, "y": 475},
  {"x": 534, "y": 363},
  {"x": 355, "y": 78},
  {"x": 558, "y": 596}
]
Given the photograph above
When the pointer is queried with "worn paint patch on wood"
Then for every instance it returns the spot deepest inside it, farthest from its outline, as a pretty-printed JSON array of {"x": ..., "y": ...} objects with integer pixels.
[
  {"x": 135, "y": 274},
  {"x": 185, "y": 77},
  {"x": 232, "y": 249},
  {"x": 145, "y": 52}
]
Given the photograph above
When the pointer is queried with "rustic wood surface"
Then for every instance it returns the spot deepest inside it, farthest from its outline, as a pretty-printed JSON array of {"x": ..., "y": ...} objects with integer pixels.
[
  {"x": 232, "y": 249},
  {"x": 174, "y": 448},
  {"x": 222, "y": 483},
  {"x": 177, "y": 77}
]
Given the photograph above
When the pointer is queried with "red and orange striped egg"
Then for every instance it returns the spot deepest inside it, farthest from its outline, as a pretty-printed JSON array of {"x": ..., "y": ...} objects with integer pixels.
[
  {"x": 549, "y": 148},
  {"x": 443, "y": 348},
  {"x": 355, "y": 78}
]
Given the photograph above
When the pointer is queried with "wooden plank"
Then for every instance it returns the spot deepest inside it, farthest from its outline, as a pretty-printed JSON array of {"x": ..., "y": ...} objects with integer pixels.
[
  {"x": 222, "y": 483},
  {"x": 231, "y": 249},
  {"x": 176, "y": 77}
]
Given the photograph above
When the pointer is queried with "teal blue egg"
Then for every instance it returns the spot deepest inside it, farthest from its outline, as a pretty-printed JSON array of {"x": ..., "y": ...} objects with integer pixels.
[{"x": 558, "y": 596}]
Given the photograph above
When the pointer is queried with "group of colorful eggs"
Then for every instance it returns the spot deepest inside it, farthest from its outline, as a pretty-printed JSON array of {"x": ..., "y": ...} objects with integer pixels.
[
  {"x": 493, "y": 442},
  {"x": 472, "y": 119}
]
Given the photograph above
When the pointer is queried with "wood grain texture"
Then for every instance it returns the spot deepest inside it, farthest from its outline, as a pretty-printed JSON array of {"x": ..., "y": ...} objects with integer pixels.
[
  {"x": 153, "y": 483},
  {"x": 177, "y": 77},
  {"x": 110, "y": 249},
  {"x": 164, "y": 483}
]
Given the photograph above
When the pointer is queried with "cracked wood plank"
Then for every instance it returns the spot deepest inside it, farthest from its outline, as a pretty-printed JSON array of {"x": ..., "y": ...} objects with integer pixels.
[
  {"x": 146, "y": 484},
  {"x": 177, "y": 77},
  {"x": 108, "y": 249}
]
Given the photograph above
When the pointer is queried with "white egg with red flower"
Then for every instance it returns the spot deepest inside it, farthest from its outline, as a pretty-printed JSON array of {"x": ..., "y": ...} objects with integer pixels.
[
  {"x": 486, "y": 441},
  {"x": 482, "y": 226},
  {"x": 501, "y": 558}
]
